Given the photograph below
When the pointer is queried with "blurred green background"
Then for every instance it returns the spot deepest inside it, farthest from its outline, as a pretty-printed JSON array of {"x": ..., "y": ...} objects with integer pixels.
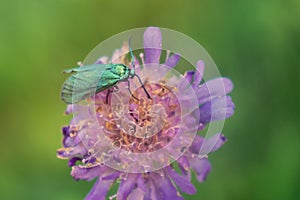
[{"x": 255, "y": 43}]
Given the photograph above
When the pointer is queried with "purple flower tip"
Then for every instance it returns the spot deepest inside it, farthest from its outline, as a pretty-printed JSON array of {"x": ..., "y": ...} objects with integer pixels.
[
  {"x": 152, "y": 45},
  {"x": 66, "y": 130},
  {"x": 72, "y": 161}
]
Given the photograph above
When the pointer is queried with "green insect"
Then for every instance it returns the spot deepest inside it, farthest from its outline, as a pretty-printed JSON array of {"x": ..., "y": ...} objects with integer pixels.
[{"x": 89, "y": 80}]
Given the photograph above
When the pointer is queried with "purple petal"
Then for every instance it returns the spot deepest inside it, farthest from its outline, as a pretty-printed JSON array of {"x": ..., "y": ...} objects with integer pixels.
[
  {"x": 212, "y": 89},
  {"x": 99, "y": 190},
  {"x": 195, "y": 77},
  {"x": 189, "y": 76},
  {"x": 66, "y": 130},
  {"x": 196, "y": 145},
  {"x": 218, "y": 109},
  {"x": 84, "y": 173},
  {"x": 201, "y": 166},
  {"x": 215, "y": 141},
  {"x": 193, "y": 120},
  {"x": 71, "y": 141},
  {"x": 173, "y": 60},
  {"x": 71, "y": 152},
  {"x": 204, "y": 146},
  {"x": 113, "y": 176},
  {"x": 72, "y": 108},
  {"x": 141, "y": 183},
  {"x": 136, "y": 194},
  {"x": 152, "y": 45},
  {"x": 126, "y": 186},
  {"x": 68, "y": 140},
  {"x": 199, "y": 73},
  {"x": 151, "y": 193},
  {"x": 184, "y": 165},
  {"x": 184, "y": 184},
  {"x": 137, "y": 65},
  {"x": 165, "y": 188},
  {"x": 102, "y": 60},
  {"x": 72, "y": 161}
]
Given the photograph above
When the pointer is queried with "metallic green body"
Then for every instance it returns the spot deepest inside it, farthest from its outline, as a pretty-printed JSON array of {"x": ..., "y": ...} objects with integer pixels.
[{"x": 89, "y": 80}]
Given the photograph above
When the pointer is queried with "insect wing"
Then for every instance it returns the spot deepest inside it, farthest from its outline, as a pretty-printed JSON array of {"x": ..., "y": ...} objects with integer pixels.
[
  {"x": 87, "y": 68},
  {"x": 83, "y": 83}
]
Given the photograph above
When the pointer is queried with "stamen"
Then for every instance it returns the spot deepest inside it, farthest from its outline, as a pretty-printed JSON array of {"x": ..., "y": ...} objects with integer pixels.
[
  {"x": 142, "y": 58},
  {"x": 199, "y": 156},
  {"x": 123, "y": 176},
  {"x": 168, "y": 54},
  {"x": 79, "y": 63},
  {"x": 149, "y": 127},
  {"x": 113, "y": 196}
]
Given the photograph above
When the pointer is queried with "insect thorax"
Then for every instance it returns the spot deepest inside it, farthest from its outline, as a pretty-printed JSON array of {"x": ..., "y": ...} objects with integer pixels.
[{"x": 121, "y": 70}]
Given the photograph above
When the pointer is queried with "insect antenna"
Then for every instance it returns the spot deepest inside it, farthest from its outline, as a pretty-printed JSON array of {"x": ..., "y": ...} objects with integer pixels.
[
  {"x": 131, "y": 53},
  {"x": 132, "y": 63}
]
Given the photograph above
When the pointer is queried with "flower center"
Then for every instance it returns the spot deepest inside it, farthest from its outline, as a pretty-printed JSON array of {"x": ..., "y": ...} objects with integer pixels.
[{"x": 143, "y": 125}]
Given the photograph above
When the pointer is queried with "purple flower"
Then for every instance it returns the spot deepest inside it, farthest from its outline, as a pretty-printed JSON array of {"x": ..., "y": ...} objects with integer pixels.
[{"x": 135, "y": 141}]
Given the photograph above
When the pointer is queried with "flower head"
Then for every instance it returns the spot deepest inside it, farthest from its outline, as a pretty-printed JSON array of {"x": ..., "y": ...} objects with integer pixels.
[{"x": 128, "y": 138}]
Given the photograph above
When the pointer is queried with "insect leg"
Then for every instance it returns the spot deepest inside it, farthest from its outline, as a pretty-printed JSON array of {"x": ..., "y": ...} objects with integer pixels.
[
  {"x": 107, "y": 95},
  {"x": 148, "y": 95},
  {"x": 109, "y": 91},
  {"x": 130, "y": 90}
]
